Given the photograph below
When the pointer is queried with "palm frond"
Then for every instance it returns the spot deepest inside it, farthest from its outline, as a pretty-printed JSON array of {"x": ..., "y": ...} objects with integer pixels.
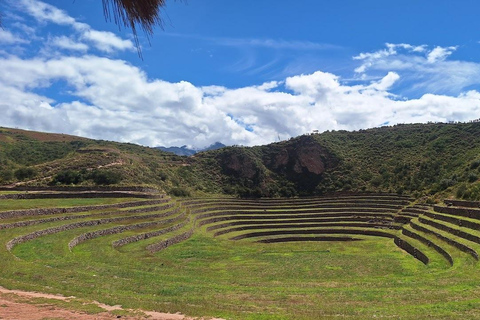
[{"x": 133, "y": 13}]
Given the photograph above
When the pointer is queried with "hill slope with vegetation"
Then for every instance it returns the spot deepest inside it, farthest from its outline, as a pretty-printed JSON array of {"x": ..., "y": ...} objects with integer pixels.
[{"x": 417, "y": 159}]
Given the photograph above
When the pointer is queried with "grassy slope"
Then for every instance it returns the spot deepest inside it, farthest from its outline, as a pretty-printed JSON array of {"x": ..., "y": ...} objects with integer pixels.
[
  {"x": 421, "y": 159},
  {"x": 207, "y": 276},
  {"x": 242, "y": 280}
]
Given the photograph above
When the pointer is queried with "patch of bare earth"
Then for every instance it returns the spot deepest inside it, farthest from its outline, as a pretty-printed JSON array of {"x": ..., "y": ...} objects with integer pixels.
[{"x": 14, "y": 304}]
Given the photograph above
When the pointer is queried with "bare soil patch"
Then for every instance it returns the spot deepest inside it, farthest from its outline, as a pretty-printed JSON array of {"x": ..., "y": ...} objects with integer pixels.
[{"x": 15, "y": 304}]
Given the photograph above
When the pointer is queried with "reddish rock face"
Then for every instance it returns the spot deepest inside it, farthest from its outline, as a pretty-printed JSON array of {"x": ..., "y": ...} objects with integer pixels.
[
  {"x": 301, "y": 162},
  {"x": 304, "y": 157},
  {"x": 310, "y": 159},
  {"x": 241, "y": 166}
]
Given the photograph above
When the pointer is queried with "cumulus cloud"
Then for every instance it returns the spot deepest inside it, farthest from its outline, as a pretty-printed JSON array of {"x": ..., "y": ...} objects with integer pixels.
[
  {"x": 68, "y": 43},
  {"x": 102, "y": 40},
  {"x": 6, "y": 37},
  {"x": 107, "y": 41},
  {"x": 429, "y": 69},
  {"x": 106, "y": 98},
  {"x": 111, "y": 99}
]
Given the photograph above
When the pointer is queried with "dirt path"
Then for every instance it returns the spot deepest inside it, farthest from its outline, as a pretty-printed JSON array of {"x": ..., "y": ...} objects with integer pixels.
[{"x": 14, "y": 305}]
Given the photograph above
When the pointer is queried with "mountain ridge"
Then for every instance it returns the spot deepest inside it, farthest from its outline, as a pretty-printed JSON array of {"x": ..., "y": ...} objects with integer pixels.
[
  {"x": 185, "y": 151},
  {"x": 424, "y": 160}
]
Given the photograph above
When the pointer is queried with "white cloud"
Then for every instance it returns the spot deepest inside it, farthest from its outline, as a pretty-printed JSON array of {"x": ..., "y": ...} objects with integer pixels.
[
  {"x": 107, "y": 41},
  {"x": 440, "y": 54},
  {"x": 426, "y": 69},
  {"x": 104, "y": 41},
  {"x": 65, "y": 42},
  {"x": 261, "y": 42},
  {"x": 46, "y": 13},
  {"x": 106, "y": 98},
  {"x": 111, "y": 99},
  {"x": 386, "y": 83},
  {"x": 6, "y": 37}
]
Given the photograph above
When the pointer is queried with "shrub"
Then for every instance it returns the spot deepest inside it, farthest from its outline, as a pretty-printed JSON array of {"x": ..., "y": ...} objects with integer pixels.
[
  {"x": 105, "y": 177},
  {"x": 472, "y": 177},
  {"x": 445, "y": 183},
  {"x": 475, "y": 164},
  {"x": 462, "y": 189},
  {"x": 179, "y": 192},
  {"x": 377, "y": 181},
  {"x": 68, "y": 177},
  {"x": 6, "y": 175},
  {"x": 25, "y": 173}
]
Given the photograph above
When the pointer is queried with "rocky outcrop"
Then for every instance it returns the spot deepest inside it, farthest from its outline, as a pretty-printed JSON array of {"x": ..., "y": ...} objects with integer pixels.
[
  {"x": 302, "y": 162},
  {"x": 241, "y": 164}
]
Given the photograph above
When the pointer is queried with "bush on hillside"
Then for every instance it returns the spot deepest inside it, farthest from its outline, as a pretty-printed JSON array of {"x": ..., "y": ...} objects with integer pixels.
[
  {"x": 472, "y": 177},
  {"x": 179, "y": 192},
  {"x": 68, "y": 177},
  {"x": 6, "y": 175},
  {"x": 100, "y": 177},
  {"x": 25, "y": 173}
]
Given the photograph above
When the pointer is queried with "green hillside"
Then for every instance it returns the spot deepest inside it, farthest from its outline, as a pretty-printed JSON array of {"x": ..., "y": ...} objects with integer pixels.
[
  {"x": 417, "y": 159},
  {"x": 366, "y": 242}
]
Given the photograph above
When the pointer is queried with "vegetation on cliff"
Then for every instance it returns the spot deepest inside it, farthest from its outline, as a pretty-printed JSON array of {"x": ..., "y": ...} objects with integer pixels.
[{"x": 418, "y": 159}]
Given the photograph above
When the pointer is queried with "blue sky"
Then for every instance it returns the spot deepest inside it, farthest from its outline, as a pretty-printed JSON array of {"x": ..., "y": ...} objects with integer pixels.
[{"x": 244, "y": 72}]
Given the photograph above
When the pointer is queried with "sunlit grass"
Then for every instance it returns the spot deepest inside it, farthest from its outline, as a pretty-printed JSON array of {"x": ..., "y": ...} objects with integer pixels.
[{"x": 208, "y": 276}]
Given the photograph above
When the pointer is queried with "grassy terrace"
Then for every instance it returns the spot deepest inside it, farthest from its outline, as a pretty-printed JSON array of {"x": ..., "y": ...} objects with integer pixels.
[
  {"x": 269, "y": 259},
  {"x": 21, "y": 204}
]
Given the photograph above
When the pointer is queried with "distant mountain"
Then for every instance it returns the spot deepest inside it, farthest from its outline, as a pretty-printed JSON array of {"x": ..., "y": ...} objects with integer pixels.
[
  {"x": 179, "y": 151},
  {"x": 185, "y": 151}
]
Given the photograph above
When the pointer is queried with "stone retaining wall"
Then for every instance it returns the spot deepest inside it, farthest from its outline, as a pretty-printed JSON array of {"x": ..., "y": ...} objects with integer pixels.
[
  {"x": 416, "y": 253},
  {"x": 458, "y": 245},
  {"x": 463, "y": 212},
  {"x": 377, "y": 233},
  {"x": 52, "y": 211},
  {"x": 457, "y": 221},
  {"x": 171, "y": 241},
  {"x": 317, "y": 225},
  {"x": 119, "y": 229},
  {"x": 295, "y": 221},
  {"x": 148, "y": 235},
  {"x": 240, "y": 210},
  {"x": 453, "y": 231},
  {"x": 301, "y": 202},
  {"x": 330, "y": 207},
  {"x": 429, "y": 243},
  {"x": 462, "y": 203},
  {"x": 83, "y": 195},
  {"x": 414, "y": 211},
  {"x": 304, "y": 239},
  {"x": 220, "y": 216},
  {"x": 76, "y": 225},
  {"x": 79, "y": 189},
  {"x": 72, "y": 217}
]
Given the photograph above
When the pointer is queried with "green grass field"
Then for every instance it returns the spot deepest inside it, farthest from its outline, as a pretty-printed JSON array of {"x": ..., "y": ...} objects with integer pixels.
[{"x": 214, "y": 276}]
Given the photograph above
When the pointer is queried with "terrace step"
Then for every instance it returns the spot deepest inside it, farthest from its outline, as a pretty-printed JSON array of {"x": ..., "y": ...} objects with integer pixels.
[
  {"x": 120, "y": 229},
  {"x": 414, "y": 234},
  {"x": 469, "y": 212},
  {"x": 411, "y": 249},
  {"x": 452, "y": 229},
  {"x": 85, "y": 223},
  {"x": 445, "y": 237}
]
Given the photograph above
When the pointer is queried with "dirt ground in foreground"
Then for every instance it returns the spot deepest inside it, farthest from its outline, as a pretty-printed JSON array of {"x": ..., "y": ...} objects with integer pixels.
[{"x": 14, "y": 304}]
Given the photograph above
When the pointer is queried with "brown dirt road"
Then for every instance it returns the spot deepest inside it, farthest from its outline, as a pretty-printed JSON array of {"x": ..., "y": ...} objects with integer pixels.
[{"x": 15, "y": 305}]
